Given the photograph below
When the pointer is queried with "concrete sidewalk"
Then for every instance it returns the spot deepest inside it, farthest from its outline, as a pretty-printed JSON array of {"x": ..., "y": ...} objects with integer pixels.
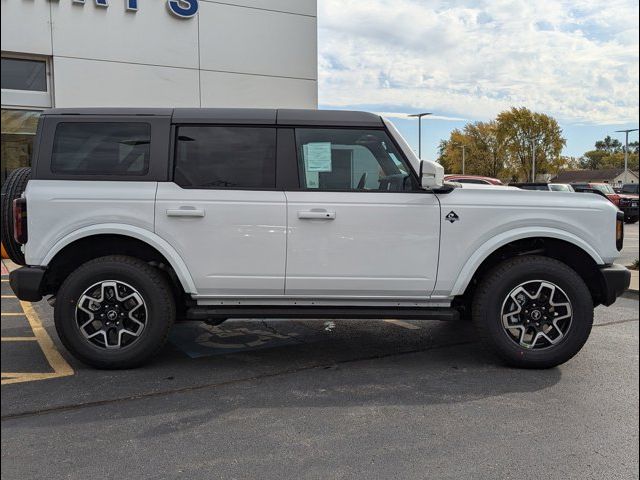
[{"x": 634, "y": 281}]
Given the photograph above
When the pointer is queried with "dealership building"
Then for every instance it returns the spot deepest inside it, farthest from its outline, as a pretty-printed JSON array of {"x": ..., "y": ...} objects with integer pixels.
[{"x": 151, "y": 53}]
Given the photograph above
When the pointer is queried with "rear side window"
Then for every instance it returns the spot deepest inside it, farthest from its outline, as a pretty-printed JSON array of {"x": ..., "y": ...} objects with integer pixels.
[
  {"x": 225, "y": 157},
  {"x": 101, "y": 148}
]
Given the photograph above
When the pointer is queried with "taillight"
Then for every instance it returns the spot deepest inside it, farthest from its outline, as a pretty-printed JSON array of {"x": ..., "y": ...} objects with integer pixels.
[
  {"x": 619, "y": 230},
  {"x": 20, "y": 220},
  {"x": 615, "y": 199}
]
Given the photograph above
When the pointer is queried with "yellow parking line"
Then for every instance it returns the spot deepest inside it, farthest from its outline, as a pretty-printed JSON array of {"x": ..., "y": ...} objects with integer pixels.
[
  {"x": 12, "y": 314},
  {"x": 57, "y": 362},
  {"x": 8, "y": 378},
  {"x": 7, "y": 296},
  {"x": 400, "y": 323},
  {"x": 18, "y": 339},
  {"x": 5, "y": 279}
]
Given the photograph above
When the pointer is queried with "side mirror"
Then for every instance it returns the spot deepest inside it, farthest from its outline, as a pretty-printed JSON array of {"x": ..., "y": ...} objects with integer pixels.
[{"x": 431, "y": 175}]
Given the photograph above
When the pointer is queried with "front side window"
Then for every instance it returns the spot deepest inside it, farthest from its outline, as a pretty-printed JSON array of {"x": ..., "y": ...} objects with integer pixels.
[
  {"x": 351, "y": 160},
  {"x": 226, "y": 157},
  {"x": 101, "y": 148}
]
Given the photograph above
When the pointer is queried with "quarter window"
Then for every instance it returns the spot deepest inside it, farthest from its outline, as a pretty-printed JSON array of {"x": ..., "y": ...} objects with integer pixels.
[
  {"x": 351, "y": 160},
  {"x": 226, "y": 157},
  {"x": 101, "y": 148}
]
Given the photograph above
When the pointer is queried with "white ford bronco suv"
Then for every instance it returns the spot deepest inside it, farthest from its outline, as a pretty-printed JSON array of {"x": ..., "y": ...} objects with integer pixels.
[{"x": 130, "y": 219}]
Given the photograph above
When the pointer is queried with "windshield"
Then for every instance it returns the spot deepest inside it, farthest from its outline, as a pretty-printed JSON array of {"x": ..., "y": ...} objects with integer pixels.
[
  {"x": 604, "y": 189},
  {"x": 560, "y": 187}
]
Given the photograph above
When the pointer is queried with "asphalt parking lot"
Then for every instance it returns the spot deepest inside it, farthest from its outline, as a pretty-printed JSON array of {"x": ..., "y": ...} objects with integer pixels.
[{"x": 311, "y": 399}]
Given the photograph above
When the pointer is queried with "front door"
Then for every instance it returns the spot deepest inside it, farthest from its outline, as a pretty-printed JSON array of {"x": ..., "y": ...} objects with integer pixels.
[
  {"x": 359, "y": 226},
  {"x": 222, "y": 212}
]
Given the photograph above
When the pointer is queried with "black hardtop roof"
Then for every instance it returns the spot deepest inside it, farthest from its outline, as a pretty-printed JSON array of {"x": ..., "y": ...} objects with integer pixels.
[{"x": 247, "y": 116}]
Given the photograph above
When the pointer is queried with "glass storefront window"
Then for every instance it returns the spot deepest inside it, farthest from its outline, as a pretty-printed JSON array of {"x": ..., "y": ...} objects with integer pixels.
[
  {"x": 18, "y": 133},
  {"x": 24, "y": 74}
]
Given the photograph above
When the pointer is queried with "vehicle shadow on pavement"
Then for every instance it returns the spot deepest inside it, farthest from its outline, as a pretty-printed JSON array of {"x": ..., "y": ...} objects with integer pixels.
[{"x": 440, "y": 364}]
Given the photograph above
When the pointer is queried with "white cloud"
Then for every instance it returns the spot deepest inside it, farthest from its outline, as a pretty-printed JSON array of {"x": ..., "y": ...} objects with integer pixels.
[{"x": 575, "y": 60}]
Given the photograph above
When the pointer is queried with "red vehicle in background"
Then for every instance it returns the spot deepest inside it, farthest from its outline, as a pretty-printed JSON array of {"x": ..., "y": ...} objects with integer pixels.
[
  {"x": 628, "y": 203},
  {"x": 472, "y": 179}
]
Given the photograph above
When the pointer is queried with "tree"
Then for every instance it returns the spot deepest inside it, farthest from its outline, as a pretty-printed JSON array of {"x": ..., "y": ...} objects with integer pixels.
[
  {"x": 609, "y": 153},
  {"x": 609, "y": 145},
  {"x": 523, "y": 134},
  {"x": 483, "y": 150}
]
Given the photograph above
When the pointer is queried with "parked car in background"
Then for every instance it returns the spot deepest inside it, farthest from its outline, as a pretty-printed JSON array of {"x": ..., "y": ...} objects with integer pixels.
[
  {"x": 479, "y": 180},
  {"x": 628, "y": 203},
  {"x": 629, "y": 188},
  {"x": 544, "y": 187}
]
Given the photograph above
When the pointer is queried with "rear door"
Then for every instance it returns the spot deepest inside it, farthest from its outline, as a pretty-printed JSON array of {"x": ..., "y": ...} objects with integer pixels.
[
  {"x": 359, "y": 226},
  {"x": 222, "y": 211}
]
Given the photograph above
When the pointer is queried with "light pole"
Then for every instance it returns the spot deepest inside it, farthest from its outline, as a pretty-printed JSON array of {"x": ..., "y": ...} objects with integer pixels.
[
  {"x": 626, "y": 149},
  {"x": 420, "y": 115},
  {"x": 463, "y": 147},
  {"x": 533, "y": 167}
]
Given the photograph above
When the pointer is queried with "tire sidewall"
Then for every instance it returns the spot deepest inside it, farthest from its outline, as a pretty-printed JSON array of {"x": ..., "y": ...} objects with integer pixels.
[
  {"x": 159, "y": 315},
  {"x": 575, "y": 289}
]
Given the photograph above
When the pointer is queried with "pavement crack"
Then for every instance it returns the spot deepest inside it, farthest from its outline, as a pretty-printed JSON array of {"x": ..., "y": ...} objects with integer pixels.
[
  {"x": 194, "y": 388},
  {"x": 615, "y": 322}
]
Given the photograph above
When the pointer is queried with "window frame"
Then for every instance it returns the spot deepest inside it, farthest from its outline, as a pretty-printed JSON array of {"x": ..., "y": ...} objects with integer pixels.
[
  {"x": 158, "y": 157},
  {"x": 174, "y": 155},
  {"x": 28, "y": 99},
  {"x": 412, "y": 173}
]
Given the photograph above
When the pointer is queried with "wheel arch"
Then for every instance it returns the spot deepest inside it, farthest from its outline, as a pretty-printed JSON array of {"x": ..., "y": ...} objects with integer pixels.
[
  {"x": 562, "y": 246},
  {"x": 99, "y": 240}
]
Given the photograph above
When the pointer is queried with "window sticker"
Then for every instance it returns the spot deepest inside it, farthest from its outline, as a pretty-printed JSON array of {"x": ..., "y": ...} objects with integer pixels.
[{"x": 317, "y": 156}]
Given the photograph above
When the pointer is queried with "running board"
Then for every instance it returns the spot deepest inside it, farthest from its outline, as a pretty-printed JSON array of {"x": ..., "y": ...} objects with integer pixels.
[{"x": 303, "y": 311}]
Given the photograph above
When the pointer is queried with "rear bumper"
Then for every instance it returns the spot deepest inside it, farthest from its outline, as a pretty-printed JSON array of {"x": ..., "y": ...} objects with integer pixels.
[
  {"x": 26, "y": 283},
  {"x": 615, "y": 280}
]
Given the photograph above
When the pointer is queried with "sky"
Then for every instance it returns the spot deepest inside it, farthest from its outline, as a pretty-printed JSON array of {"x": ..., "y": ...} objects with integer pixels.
[{"x": 469, "y": 60}]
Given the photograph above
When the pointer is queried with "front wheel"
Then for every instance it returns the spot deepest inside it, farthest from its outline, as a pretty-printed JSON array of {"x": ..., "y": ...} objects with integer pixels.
[
  {"x": 114, "y": 312},
  {"x": 533, "y": 312}
]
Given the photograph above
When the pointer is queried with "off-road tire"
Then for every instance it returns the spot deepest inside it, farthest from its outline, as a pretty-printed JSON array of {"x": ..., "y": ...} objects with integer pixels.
[
  {"x": 496, "y": 286},
  {"x": 13, "y": 187},
  {"x": 156, "y": 292}
]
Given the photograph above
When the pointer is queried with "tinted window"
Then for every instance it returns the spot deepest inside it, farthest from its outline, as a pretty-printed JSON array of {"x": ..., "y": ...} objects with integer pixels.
[
  {"x": 534, "y": 187},
  {"x": 343, "y": 159},
  {"x": 101, "y": 148},
  {"x": 630, "y": 188},
  {"x": 226, "y": 157},
  {"x": 472, "y": 180},
  {"x": 20, "y": 74}
]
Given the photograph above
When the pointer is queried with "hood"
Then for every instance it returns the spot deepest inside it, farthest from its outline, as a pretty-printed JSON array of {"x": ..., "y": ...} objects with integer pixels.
[{"x": 504, "y": 196}]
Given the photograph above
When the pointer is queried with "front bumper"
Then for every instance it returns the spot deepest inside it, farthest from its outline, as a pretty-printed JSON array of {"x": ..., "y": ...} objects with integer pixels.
[
  {"x": 615, "y": 280},
  {"x": 630, "y": 212},
  {"x": 27, "y": 282}
]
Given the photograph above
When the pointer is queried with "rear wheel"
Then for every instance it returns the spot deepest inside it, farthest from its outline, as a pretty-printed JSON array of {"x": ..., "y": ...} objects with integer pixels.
[
  {"x": 114, "y": 312},
  {"x": 13, "y": 188},
  {"x": 533, "y": 312}
]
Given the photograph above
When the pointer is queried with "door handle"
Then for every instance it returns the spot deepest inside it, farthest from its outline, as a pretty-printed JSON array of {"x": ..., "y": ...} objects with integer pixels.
[
  {"x": 317, "y": 214},
  {"x": 185, "y": 212}
]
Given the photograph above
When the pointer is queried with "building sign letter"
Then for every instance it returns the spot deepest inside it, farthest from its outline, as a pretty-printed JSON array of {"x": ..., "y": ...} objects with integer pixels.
[{"x": 183, "y": 8}]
